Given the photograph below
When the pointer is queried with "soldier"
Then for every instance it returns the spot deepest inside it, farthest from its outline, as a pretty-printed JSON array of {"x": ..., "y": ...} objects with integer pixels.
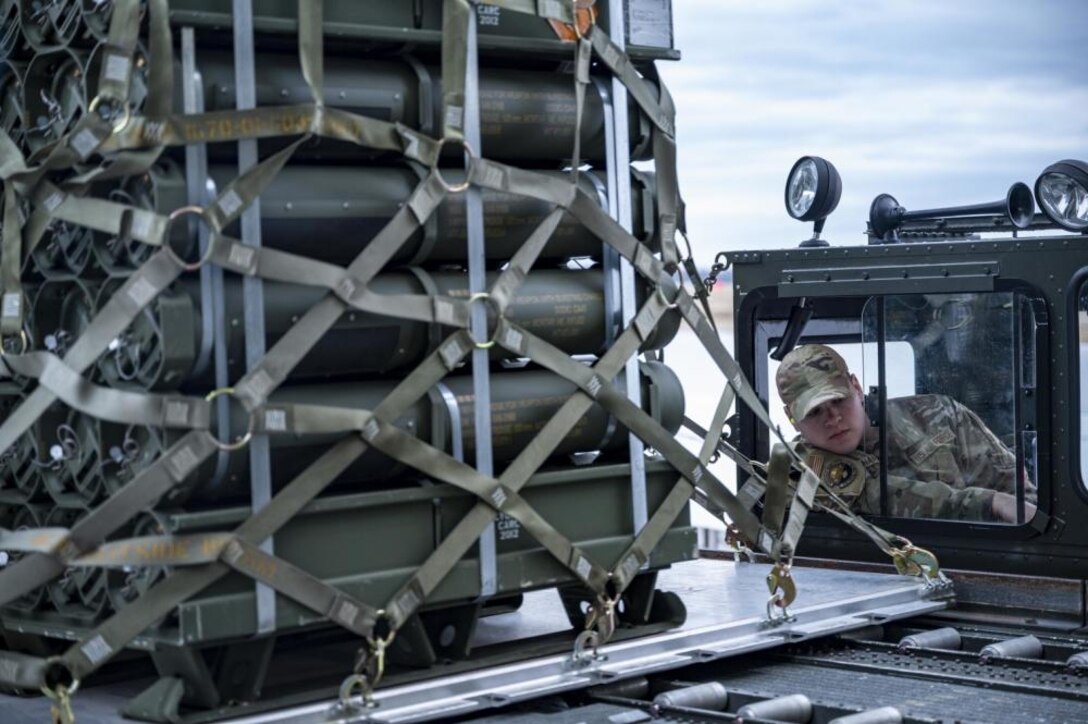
[{"x": 943, "y": 460}]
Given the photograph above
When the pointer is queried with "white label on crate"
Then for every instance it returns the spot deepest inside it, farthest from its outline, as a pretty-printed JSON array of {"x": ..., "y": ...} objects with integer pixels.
[
  {"x": 649, "y": 22},
  {"x": 498, "y": 497},
  {"x": 550, "y": 9},
  {"x": 371, "y": 429},
  {"x": 489, "y": 15}
]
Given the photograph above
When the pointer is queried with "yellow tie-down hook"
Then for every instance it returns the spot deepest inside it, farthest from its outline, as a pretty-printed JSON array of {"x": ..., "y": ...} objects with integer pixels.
[
  {"x": 911, "y": 560},
  {"x": 783, "y": 592}
]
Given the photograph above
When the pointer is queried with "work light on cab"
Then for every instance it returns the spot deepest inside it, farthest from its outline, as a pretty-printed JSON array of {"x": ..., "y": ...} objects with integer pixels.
[
  {"x": 1062, "y": 193},
  {"x": 813, "y": 189}
]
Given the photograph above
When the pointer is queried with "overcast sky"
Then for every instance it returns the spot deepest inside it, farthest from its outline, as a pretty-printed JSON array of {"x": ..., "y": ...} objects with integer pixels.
[{"x": 937, "y": 102}]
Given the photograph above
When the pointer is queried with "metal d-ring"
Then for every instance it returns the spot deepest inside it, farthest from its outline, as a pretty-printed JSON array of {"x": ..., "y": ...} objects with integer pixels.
[
  {"x": 174, "y": 216},
  {"x": 485, "y": 297},
  {"x": 126, "y": 118},
  {"x": 463, "y": 186},
  {"x": 25, "y": 340},
  {"x": 244, "y": 439}
]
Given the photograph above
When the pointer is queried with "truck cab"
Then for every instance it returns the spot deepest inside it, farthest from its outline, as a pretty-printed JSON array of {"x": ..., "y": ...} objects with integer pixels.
[{"x": 983, "y": 305}]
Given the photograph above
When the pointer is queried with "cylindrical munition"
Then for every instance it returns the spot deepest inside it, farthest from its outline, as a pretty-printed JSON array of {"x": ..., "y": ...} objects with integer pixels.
[
  {"x": 522, "y": 402},
  {"x": 883, "y": 715},
  {"x": 1078, "y": 660},
  {"x": 12, "y": 116},
  {"x": 28, "y": 517},
  {"x": 792, "y": 708},
  {"x": 50, "y": 25},
  {"x": 318, "y": 211},
  {"x": 514, "y": 105},
  {"x": 54, "y": 96},
  {"x": 125, "y": 450},
  {"x": 162, "y": 346},
  {"x": 70, "y": 469},
  {"x": 63, "y": 252},
  {"x": 81, "y": 592},
  {"x": 1022, "y": 647},
  {"x": 61, "y": 311},
  {"x": 938, "y": 638},
  {"x": 128, "y": 584},
  {"x": 711, "y": 695},
  {"x": 96, "y": 17},
  {"x": 22, "y": 469}
]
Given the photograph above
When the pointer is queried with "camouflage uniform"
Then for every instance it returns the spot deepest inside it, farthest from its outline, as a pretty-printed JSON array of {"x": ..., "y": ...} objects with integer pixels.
[{"x": 943, "y": 460}]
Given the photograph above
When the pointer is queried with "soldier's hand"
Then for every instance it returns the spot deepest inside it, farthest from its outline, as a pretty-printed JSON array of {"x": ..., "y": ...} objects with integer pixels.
[{"x": 1004, "y": 508}]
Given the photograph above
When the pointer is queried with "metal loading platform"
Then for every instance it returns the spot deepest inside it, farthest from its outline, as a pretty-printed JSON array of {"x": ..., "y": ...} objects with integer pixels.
[{"x": 726, "y": 616}]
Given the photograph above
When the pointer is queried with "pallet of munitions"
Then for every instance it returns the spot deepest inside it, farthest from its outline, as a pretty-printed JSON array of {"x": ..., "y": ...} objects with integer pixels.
[{"x": 349, "y": 340}]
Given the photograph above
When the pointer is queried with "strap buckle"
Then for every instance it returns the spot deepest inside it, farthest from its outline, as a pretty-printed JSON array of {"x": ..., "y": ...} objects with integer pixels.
[{"x": 783, "y": 592}]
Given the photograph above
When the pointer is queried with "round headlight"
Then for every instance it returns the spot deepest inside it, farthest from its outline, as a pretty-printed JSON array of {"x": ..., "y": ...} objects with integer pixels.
[
  {"x": 1062, "y": 193},
  {"x": 812, "y": 189}
]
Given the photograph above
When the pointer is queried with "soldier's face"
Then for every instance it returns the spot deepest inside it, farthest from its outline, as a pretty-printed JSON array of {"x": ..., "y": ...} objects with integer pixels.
[{"x": 837, "y": 426}]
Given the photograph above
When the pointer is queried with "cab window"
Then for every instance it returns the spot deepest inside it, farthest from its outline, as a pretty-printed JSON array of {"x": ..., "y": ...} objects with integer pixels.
[{"x": 943, "y": 377}]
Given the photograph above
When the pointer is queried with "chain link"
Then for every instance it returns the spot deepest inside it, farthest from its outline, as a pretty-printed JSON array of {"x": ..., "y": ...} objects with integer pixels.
[{"x": 721, "y": 263}]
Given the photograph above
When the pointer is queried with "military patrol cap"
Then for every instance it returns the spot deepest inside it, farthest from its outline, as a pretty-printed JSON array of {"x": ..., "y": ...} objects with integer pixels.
[{"x": 811, "y": 375}]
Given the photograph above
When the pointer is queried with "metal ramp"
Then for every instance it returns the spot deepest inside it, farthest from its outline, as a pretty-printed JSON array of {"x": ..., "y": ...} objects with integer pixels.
[{"x": 726, "y": 603}]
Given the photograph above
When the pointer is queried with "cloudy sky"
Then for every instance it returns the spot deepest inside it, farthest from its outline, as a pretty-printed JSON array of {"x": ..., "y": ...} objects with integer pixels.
[{"x": 937, "y": 102}]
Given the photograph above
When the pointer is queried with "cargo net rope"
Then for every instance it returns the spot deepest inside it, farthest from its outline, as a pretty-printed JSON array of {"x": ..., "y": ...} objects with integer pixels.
[{"x": 116, "y": 139}]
